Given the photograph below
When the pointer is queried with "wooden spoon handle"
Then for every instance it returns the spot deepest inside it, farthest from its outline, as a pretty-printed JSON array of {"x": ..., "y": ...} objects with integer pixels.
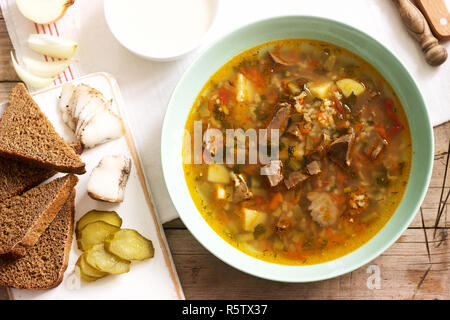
[{"x": 417, "y": 26}]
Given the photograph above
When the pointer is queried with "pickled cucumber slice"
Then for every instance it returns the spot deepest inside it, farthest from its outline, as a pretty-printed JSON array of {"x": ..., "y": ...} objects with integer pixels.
[
  {"x": 94, "y": 233},
  {"x": 98, "y": 258},
  {"x": 82, "y": 276},
  {"x": 87, "y": 270},
  {"x": 110, "y": 217},
  {"x": 130, "y": 245},
  {"x": 87, "y": 278}
]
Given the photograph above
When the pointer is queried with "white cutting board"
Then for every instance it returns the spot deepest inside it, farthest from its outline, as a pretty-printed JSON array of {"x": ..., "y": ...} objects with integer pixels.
[{"x": 155, "y": 278}]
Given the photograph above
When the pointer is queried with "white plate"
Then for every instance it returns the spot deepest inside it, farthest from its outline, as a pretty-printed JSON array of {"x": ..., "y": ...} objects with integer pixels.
[{"x": 155, "y": 278}]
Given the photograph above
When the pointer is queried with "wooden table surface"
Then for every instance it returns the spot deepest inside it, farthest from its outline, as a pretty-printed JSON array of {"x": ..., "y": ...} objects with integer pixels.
[{"x": 417, "y": 266}]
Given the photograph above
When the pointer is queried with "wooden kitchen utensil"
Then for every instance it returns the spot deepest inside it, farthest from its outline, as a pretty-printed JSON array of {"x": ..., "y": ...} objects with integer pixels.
[
  {"x": 438, "y": 16},
  {"x": 417, "y": 26}
]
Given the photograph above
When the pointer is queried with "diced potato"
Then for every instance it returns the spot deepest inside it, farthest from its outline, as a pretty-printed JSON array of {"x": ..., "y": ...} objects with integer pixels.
[
  {"x": 218, "y": 173},
  {"x": 245, "y": 237},
  {"x": 91, "y": 273},
  {"x": 244, "y": 88},
  {"x": 110, "y": 217},
  {"x": 94, "y": 233},
  {"x": 251, "y": 218},
  {"x": 320, "y": 90},
  {"x": 293, "y": 88},
  {"x": 97, "y": 257},
  {"x": 278, "y": 245},
  {"x": 348, "y": 86},
  {"x": 129, "y": 244},
  {"x": 221, "y": 193},
  {"x": 205, "y": 191},
  {"x": 329, "y": 63}
]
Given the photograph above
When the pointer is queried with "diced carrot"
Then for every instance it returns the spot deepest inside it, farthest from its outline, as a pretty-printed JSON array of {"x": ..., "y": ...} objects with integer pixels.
[
  {"x": 341, "y": 175},
  {"x": 293, "y": 255},
  {"x": 303, "y": 129},
  {"x": 323, "y": 116},
  {"x": 276, "y": 200},
  {"x": 398, "y": 126},
  {"x": 358, "y": 129},
  {"x": 250, "y": 169},
  {"x": 336, "y": 239},
  {"x": 283, "y": 154},
  {"x": 211, "y": 104},
  {"x": 329, "y": 232},
  {"x": 224, "y": 95},
  {"x": 254, "y": 74},
  {"x": 263, "y": 245},
  {"x": 381, "y": 132},
  {"x": 291, "y": 56},
  {"x": 338, "y": 199},
  {"x": 259, "y": 201}
]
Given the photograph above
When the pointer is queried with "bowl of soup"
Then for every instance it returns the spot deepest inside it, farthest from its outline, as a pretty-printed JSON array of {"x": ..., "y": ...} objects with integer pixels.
[{"x": 297, "y": 148}]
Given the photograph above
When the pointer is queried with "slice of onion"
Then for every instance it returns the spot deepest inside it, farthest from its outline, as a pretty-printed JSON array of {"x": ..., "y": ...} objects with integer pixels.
[
  {"x": 45, "y": 69},
  {"x": 29, "y": 78},
  {"x": 43, "y": 11},
  {"x": 52, "y": 46}
]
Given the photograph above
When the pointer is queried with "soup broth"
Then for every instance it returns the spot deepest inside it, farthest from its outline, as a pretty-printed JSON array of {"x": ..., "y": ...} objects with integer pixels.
[{"x": 344, "y": 152}]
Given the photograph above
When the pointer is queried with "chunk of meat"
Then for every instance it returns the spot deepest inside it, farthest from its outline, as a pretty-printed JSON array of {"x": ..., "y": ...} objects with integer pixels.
[
  {"x": 357, "y": 202},
  {"x": 241, "y": 191},
  {"x": 210, "y": 144},
  {"x": 379, "y": 146},
  {"x": 294, "y": 179},
  {"x": 283, "y": 223},
  {"x": 313, "y": 167},
  {"x": 339, "y": 151},
  {"x": 295, "y": 130},
  {"x": 275, "y": 55},
  {"x": 280, "y": 118},
  {"x": 273, "y": 171},
  {"x": 323, "y": 209}
]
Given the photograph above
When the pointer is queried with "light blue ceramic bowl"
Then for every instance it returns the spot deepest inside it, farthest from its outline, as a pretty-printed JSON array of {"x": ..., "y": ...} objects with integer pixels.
[{"x": 304, "y": 27}]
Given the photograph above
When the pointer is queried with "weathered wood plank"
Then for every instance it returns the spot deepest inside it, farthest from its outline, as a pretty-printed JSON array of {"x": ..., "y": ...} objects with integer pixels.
[
  {"x": 401, "y": 269},
  {"x": 5, "y": 89},
  {"x": 7, "y": 73},
  {"x": 408, "y": 269}
]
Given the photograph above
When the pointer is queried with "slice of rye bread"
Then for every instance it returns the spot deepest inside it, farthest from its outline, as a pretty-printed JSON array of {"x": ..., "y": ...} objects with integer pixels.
[
  {"x": 44, "y": 264},
  {"x": 28, "y": 136},
  {"x": 24, "y": 218},
  {"x": 17, "y": 177}
]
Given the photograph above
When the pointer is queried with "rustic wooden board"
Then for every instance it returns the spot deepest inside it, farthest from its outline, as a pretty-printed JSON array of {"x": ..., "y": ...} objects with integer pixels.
[{"x": 410, "y": 269}]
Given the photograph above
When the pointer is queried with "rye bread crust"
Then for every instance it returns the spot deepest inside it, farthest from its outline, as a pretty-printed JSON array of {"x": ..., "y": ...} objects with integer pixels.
[
  {"x": 30, "y": 231},
  {"x": 17, "y": 177},
  {"x": 44, "y": 264},
  {"x": 27, "y": 135}
]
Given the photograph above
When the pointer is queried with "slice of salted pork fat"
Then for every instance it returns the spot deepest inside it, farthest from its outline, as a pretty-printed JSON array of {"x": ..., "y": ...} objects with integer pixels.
[{"x": 88, "y": 113}]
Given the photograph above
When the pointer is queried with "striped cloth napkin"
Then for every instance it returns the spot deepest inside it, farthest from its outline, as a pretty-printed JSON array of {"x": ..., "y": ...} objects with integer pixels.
[
  {"x": 146, "y": 86},
  {"x": 19, "y": 28}
]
